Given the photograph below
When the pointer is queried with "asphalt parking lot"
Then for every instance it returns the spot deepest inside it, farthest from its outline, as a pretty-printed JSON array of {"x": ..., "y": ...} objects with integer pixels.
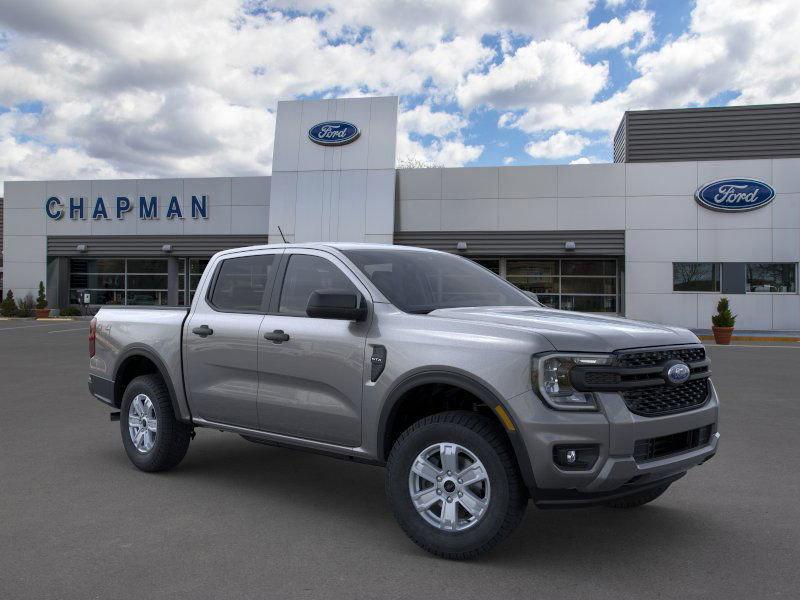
[{"x": 239, "y": 520}]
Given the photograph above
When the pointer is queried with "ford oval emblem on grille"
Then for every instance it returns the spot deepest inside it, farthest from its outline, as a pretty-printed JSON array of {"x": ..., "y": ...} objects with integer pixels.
[
  {"x": 678, "y": 373},
  {"x": 735, "y": 195},
  {"x": 333, "y": 133}
]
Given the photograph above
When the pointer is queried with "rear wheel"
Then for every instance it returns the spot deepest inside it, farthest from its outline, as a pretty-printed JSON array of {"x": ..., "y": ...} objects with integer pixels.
[
  {"x": 153, "y": 438},
  {"x": 640, "y": 499},
  {"x": 454, "y": 485}
]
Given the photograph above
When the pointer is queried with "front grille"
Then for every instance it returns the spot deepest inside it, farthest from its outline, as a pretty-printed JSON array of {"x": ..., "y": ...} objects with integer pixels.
[
  {"x": 655, "y": 448},
  {"x": 656, "y": 357},
  {"x": 602, "y": 378},
  {"x": 662, "y": 399}
]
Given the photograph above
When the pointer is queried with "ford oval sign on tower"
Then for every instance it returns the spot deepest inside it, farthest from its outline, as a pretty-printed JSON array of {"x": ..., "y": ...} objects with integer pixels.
[
  {"x": 735, "y": 195},
  {"x": 333, "y": 133}
]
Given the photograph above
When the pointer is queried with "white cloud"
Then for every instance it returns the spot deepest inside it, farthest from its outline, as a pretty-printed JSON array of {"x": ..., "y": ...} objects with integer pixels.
[
  {"x": 188, "y": 87},
  {"x": 423, "y": 120},
  {"x": 581, "y": 161},
  {"x": 616, "y": 32},
  {"x": 559, "y": 145},
  {"x": 509, "y": 160},
  {"x": 447, "y": 153},
  {"x": 746, "y": 47},
  {"x": 539, "y": 72}
]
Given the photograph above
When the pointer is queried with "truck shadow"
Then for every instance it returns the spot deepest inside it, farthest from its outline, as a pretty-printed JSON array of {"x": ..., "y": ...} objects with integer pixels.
[{"x": 354, "y": 496}]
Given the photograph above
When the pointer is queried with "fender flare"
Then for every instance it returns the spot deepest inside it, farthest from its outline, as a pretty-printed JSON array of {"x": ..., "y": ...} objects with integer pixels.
[
  {"x": 469, "y": 384},
  {"x": 143, "y": 351}
]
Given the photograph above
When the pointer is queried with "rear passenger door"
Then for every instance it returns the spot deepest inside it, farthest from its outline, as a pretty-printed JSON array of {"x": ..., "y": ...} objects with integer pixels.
[
  {"x": 221, "y": 339},
  {"x": 312, "y": 382}
]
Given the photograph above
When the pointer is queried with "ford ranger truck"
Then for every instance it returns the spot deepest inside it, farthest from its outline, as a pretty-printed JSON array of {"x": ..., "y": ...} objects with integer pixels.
[{"x": 475, "y": 397}]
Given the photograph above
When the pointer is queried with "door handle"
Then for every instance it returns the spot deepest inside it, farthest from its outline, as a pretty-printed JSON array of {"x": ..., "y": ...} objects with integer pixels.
[
  {"x": 203, "y": 331},
  {"x": 277, "y": 336}
]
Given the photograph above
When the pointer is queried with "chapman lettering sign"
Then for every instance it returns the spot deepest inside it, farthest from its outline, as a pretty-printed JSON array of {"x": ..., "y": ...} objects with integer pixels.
[
  {"x": 333, "y": 133},
  {"x": 147, "y": 208},
  {"x": 735, "y": 195}
]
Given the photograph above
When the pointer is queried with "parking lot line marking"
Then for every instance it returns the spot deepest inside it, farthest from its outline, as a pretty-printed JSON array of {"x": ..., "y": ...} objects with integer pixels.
[
  {"x": 72, "y": 329},
  {"x": 24, "y": 327}
]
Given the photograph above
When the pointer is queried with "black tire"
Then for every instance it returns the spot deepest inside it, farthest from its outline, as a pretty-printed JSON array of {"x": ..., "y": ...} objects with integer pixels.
[
  {"x": 640, "y": 499},
  {"x": 172, "y": 436},
  {"x": 487, "y": 441}
]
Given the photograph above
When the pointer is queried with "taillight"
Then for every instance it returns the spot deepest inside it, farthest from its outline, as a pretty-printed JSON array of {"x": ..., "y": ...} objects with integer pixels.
[{"x": 92, "y": 336}]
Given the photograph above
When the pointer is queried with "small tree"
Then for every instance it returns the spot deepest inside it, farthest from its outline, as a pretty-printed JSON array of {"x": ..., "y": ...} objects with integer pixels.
[
  {"x": 8, "y": 308},
  {"x": 25, "y": 306},
  {"x": 41, "y": 299},
  {"x": 724, "y": 316},
  {"x": 414, "y": 162}
]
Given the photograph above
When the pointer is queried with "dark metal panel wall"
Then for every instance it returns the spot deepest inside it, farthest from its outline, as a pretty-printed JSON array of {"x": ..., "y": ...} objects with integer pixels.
[
  {"x": 734, "y": 278},
  {"x": 518, "y": 243},
  {"x": 148, "y": 245},
  {"x": 723, "y": 133}
]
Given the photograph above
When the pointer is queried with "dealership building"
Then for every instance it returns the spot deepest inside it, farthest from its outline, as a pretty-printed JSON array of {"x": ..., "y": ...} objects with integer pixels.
[{"x": 698, "y": 204}]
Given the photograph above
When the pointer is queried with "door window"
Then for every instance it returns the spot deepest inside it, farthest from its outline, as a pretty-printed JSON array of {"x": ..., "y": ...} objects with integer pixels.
[
  {"x": 306, "y": 274},
  {"x": 242, "y": 283}
]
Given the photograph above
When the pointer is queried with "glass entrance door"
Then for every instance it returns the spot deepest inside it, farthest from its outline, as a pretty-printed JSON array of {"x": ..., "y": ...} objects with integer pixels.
[{"x": 581, "y": 284}]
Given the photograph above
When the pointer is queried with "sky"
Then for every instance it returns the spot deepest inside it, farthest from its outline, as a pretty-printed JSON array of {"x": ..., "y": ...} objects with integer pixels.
[{"x": 180, "y": 88}]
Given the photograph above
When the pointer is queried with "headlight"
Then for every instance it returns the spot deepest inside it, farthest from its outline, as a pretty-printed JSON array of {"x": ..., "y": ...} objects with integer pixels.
[{"x": 550, "y": 375}]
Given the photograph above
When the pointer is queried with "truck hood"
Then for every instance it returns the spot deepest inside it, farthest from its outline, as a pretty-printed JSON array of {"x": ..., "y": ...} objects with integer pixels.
[{"x": 573, "y": 331}]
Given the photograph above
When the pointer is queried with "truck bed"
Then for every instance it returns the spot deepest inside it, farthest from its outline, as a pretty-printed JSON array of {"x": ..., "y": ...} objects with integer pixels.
[{"x": 155, "y": 331}]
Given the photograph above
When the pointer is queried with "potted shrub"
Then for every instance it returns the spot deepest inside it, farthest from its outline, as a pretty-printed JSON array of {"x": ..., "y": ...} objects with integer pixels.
[
  {"x": 723, "y": 322},
  {"x": 42, "y": 312},
  {"x": 8, "y": 308}
]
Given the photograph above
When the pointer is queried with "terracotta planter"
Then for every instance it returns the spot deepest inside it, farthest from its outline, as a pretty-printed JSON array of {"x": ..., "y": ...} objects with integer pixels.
[
  {"x": 42, "y": 313},
  {"x": 722, "y": 335}
]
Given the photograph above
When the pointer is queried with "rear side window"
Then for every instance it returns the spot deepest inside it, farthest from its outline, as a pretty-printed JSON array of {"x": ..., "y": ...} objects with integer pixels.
[
  {"x": 306, "y": 274},
  {"x": 241, "y": 284}
]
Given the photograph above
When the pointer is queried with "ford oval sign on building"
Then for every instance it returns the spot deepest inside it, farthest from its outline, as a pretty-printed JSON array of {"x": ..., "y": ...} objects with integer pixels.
[
  {"x": 735, "y": 195},
  {"x": 333, "y": 133}
]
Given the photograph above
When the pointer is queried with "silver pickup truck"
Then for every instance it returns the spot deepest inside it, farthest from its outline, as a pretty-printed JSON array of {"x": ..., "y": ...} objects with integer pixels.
[{"x": 473, "y": 395}]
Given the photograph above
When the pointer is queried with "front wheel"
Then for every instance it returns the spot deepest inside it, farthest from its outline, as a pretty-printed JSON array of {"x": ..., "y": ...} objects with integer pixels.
[
  {"x": 454, "y": 486},
  {"x": 153, "y": 438}
]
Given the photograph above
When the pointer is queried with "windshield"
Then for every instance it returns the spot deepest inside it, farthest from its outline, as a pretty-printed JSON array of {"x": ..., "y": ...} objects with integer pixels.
[{"x": 419, "y": 282}]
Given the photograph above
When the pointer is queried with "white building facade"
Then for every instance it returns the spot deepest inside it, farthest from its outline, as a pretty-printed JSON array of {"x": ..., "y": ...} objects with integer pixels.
[{"x": 628, "y": 238}]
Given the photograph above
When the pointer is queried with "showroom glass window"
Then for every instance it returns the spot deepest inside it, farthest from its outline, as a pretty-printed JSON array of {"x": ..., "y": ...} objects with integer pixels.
[
  {"x": 119, "y": 280},
  {"x": 102, "y": 278},
  {"x": 772, "y": 277},
  {"x": 586, "y": 285},
  {"x": 191, "y": 278},
  {"x": 696, "y": 277}
]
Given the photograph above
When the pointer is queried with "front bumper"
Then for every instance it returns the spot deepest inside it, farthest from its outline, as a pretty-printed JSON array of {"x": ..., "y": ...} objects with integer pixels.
[{"x": 615, "y": 430}]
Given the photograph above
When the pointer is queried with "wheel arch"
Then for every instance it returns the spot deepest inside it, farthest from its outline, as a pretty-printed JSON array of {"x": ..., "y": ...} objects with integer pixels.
[
  {"x": 136, "y": 361},
  {"x": 401, "y": 394}
]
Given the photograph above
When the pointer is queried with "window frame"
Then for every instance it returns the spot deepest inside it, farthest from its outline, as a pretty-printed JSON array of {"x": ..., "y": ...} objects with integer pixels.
[
  {"x": 344, "y": 268},
  {"x": 269, "y": 286},
  {"x": 698, "y": 262},
  {"x": 559, "y": 278},
  {"x": 793, "y": 264}
]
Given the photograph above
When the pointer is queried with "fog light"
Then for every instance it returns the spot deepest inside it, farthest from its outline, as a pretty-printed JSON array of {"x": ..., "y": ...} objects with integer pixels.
[{"x": 576, "y": 458}]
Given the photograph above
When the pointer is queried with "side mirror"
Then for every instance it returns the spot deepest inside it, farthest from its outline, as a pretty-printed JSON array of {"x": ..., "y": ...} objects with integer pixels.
[{"x": 336, "y": 304}]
